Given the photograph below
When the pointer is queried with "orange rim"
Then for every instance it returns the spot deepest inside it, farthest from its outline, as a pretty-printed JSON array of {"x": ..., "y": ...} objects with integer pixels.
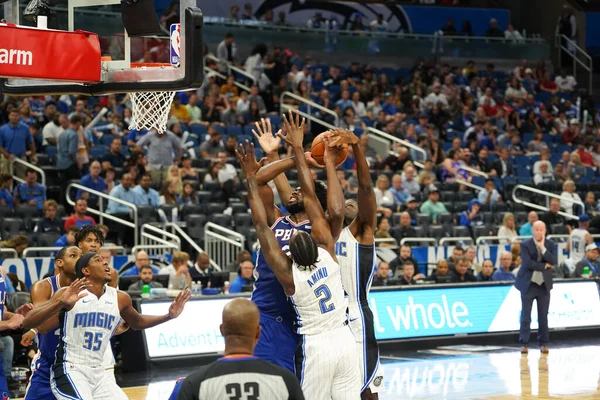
[{"x": 149, "y": 65}]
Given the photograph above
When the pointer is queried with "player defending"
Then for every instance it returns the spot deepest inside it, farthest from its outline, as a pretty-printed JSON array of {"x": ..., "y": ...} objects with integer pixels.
[
  {"x": 326, "y": 360},
  {"x": 355, "y": 250},
  {"x": 278, "y": 340},
  {"x": 48, "y": 332},
  {"x": 89, "y": 312}
]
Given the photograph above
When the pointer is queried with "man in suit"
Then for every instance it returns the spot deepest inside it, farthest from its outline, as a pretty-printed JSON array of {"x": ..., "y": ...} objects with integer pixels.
[
  {"x": 534, "y": 281},
  {"x": 503, "y": 166}
]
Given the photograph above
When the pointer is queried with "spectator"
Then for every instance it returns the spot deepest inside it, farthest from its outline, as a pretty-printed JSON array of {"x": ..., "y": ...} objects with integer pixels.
[
  {"x": 592, "y": 208},
  {"x": 248, "y": 13},
  {"x": 471, "y": 217},
  {"x": 168, "y": 195},
  {"x": 142, "y": 260},
  {"x": 146, "y": 195},
  {"x": 18, "y": 243},
  {"x": 15, "y": 141},
  {"x": 569, "y": 192},
  {"x": 457, "y": 253},
  {"x": 503, "y": 273},
  {"x": 163, "y": 151},
  {"x": 436, "y": 97},
  {"x": 405, "y": 230},
  {"x": 408, "y": 273},
  {"x": 52, "y": 130},
  {"x": 590, "y": 260},
  {"x": 433, "y": 206},
  {"x": 179, "y": 111},
  {"x": 405, "y": 254},
  {"x": 245, "y": 277},
  {"x": 516, "y": 147},
  {"x": 441, "y": 273},
  {"x": 66, "y": 158},
  {"x": 49, "y": 223},
  {"x": 489, "y": 195},
  {"x": 548, "y": 85},
  {"x": 487, "y": 269},
  {"x": 471, "y": 255},
  {"x": 124, "y": 191},
  {"x": 584, "y": 156},
  {"x": 493, "y": 30},
  {"x": 461, "y": 273},
  {"x": 449, "y": 29},
  {"x": 544, "y": 175},
  {"x": 399, "y": 195},
  {"x": 572, "y": 133},
  {"x": 201, "y": 268},
  {"x": 382, "y": 274},
  {"x": 6, "y": 196},
  {"x": 507, "y": 230},
  {"x": 464, "y": 121},
  {"x": 242, "y": 256},
  {"x": 94, "y": 181},
  {"x": 179, "y": 274},
  {"x": 79, "y": 218},
  {"x": 513, "y": 35},
  {"x": 30, "y": 192},
  {"x": 566, "y": 83},
  {"x": 411, "y": 185},
  {"x": 227, "y": 51},
  {"x": 552, "y": 217},
  {"x": 383, "y": 194},
  {"x": 211, "y": 148},
  {"x": 525, "y": 229},
  {"x": 146, "y": 275},
  {"x": 68, "y": 238},
  {"x": 109, "y": 179},
  {"x": 537, "y": 144},
  {"x": 114, "y": 158},
  {"x": 188, "y": 195},
  {"x": 383, "y": 232}
]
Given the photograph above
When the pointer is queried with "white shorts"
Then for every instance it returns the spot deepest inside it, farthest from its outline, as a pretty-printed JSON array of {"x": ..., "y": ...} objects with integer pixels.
[
  {"x": 109, "y": 363},
  {"x": 326, "y": 366},
  {"x": 367, "y": 349},
  {"x": 80, "y": 382}
]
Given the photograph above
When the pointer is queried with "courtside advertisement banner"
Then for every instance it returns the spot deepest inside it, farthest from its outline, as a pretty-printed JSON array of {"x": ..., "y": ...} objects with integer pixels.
[
  {"x": 196, "y": 331},
  {"x": 401, "y": 314},
  {"x": 398, "y": 314}
]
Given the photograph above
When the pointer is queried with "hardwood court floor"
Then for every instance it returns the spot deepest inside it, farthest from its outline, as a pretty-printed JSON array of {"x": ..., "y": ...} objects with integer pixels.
[{"x": 459, "y": 372}]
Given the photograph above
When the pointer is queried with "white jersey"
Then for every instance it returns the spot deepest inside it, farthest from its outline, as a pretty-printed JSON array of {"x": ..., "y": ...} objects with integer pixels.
[
  {"x": 357, "y": 263},
  {"x": 577, "y": 239},
  {"x": 87, "y": 328},
  {"x": 319, "y": 299}
]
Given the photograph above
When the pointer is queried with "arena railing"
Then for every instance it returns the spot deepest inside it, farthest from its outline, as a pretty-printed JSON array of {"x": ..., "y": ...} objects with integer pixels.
[
  {"x": 418, "y": 240},
  {"x": 403, "y": 142},
  {"x": 445, "y": 240},
  {"x": 579, "y": 55},
  {"x": 152, "y": 235},
  {"x": 386, "y": 240},
  {"x": 481, "y": 239},
  {"x": 13, "y": 252},
  {"x": 233, "y": 68},
  {"x": 547, "y": 194},
  {"x": 222, "y": 244},
  {"x": 309, "y": 104},
  {"x": 176, "y": 228},
  {"x": 50, "y": 250},
  {"x": 102, "y": 214},
  {"x": 28, "y": 165},
  {"x": 221, "y": 76},
  {"x": 150, "y": 248}
]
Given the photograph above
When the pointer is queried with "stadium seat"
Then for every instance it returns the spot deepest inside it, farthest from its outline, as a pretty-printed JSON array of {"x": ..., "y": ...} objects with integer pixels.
[
  {"x": 199, "y": 130},
  {"x": 460, "y": 231},
  {"x": 203, "y": 196},
  {"x": 195, "y": 226},
  {"x": 107, "y": 140},
  {"x": 424, "y": 220},
  {"x": 5, "y": 211},
  {"x": 168, "y": 210},
  {"x": 445, "y": 218},
  {"x": 242, "y": 220},
  {"x": 146, "y": 214},
  {"x": 211, "y": 186},
  {"x": 395, "y": 220},
  {"x": 436, "y": 231},
  {"x": 26, "y": 212},
  {"x": 47, "y": 239},
  {"x": 238, "y": 208},
  {"x": 234, "y": 130},
  {"x": 480, "y": 230},
  {"x": 221, "y": 219},
  {"x": 190, "y": 209},
  {"x": 12, "y": 227},
  {"x": 447, "y": 196},
  {"x": 558, "y": 229},
  {"x": 98, "y": 151},
  {"x": 214, "y": 208}
]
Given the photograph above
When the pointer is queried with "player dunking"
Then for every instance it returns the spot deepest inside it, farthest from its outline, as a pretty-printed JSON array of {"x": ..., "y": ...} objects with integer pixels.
[
  {"x": 278, "y": 340},
  {"x": 355, "y": 250},
  {"x": 48, "y": 332},
  {"x": 89, "y": 312},
  {"x": 326, "y": 359}
]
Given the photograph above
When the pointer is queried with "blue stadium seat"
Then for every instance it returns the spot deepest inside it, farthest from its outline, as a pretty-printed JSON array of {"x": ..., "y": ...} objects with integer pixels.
[
  {"x": 219, "y": 128},
  {"x": 199, "y": 130},
  {"x": 98, "y": 151},
  {"x": 234, "y": 130},
  {"x": 248, "y": 130},
  {"x": 106, "y": 140},
  {"x": 275, "y": 120}
]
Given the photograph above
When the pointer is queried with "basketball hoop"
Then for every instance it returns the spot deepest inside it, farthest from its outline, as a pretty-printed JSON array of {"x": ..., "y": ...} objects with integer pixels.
[{"x": 150, "y": 110}]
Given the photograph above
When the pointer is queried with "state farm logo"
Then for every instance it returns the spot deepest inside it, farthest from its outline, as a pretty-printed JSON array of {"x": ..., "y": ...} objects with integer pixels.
[{"x": 15, "y": 57}]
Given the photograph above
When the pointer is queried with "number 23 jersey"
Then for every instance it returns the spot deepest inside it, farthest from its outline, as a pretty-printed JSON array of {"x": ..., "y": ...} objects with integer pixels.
[{"x": 319, "y": 301}]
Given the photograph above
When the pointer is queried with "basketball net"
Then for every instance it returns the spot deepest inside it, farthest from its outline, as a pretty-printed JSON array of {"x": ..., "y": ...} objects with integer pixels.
[{"x": 150, "y": 110}]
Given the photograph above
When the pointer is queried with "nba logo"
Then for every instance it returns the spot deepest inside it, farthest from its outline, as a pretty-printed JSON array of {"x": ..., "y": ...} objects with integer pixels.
[{"x": 175, "y": 44}]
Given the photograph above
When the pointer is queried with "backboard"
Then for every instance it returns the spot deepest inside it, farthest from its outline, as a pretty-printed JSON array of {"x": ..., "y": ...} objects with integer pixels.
[{"x": 121, "y": 53}]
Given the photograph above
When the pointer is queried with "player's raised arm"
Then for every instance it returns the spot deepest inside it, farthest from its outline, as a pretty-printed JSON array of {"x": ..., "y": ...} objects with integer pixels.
[
  {"x": 366, "y": 220},
  {"x": 136, "y": 320},
  {"x": 335, "y": 194},
  {"x": 321, "y": 232},
  {"x": 64, "y": 298},
  {"x": 275, "y": 257}
]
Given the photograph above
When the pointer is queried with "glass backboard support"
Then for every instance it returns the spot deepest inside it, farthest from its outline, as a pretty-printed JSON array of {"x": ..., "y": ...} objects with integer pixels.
[{"x": 118, "y": 76}]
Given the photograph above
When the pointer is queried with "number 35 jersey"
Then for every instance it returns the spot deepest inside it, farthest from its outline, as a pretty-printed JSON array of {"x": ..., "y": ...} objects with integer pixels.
[
  {"x": 319, "y": 301},
  {"x": 86, "y": 329}
]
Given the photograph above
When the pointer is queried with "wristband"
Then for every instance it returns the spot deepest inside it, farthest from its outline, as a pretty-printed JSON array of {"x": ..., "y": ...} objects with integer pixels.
[{"x": 33, "y": 330}]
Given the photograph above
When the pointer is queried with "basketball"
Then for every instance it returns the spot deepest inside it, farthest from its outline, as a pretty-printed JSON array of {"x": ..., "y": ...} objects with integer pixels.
[{"x": 317, "y": 151}]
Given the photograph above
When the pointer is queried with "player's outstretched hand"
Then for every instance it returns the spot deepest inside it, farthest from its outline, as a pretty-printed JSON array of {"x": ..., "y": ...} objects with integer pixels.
[
  {"x": 247, "y": 160},
  {"x": 73, "y": 293},
  {"x": 331, "y": 152},
  {"x": 15, "y": 322},
  {"x": 312, "y": 163},
  {"x": 342, "y": 136},
  {"x": 27, "y": 338},
  {"x": 24, "y": 309},
  {"x": 294, "y": 129},
  {"x": 264, "y": 135},
  {"x": 177, "y": 305}
]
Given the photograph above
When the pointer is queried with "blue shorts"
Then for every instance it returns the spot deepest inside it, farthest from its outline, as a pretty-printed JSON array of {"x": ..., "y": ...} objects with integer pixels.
[
  {"x": 39, "y": 384},
  {"x": 277, "y": 342}
]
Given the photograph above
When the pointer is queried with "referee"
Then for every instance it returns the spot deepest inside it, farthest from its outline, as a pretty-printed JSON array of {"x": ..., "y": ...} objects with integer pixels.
[{"x": 239, "y": 374}]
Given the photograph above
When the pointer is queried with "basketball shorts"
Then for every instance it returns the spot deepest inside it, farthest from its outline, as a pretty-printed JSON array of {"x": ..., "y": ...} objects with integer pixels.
[
  {"x": 109, "y": 364},
  {"x": 70, "y": 382},
  {"x": 362, "y": 326},
  {"x": 277, "y": 342},
  {"x": 39, "y": 383},
  {"x": 326, "y": 365}
]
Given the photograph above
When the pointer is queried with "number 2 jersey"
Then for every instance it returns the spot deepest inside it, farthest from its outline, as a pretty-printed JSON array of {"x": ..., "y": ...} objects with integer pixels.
[
  {"x": 86, "y": 329},
  {"x": 268, "y": 294},
  {"x": 319, "y": 300}
]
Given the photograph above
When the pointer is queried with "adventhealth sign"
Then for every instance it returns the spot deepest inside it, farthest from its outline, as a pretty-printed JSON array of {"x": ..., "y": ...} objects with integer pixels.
[{"x": 476, "y": 309}]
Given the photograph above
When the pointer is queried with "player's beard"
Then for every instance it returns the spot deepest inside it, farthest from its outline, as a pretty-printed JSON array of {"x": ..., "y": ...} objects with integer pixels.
[{"x": 296, "y": 208}]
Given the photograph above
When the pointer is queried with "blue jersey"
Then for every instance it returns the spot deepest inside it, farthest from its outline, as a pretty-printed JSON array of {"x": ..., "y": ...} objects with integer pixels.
[
  {"x": 268, "y": 294},
  {"x": 47, "y": 342}
]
